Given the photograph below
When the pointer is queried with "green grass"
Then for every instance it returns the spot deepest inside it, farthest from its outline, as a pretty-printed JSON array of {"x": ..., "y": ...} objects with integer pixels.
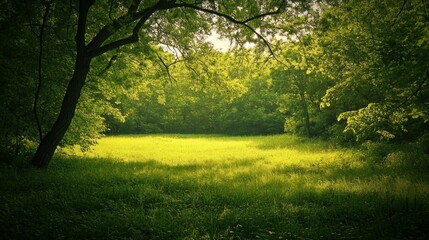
[{"x": 216, "y": 187}]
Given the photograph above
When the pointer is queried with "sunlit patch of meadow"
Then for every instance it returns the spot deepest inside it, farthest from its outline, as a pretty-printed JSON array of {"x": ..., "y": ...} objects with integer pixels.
[{"x": 223, "y": 187}]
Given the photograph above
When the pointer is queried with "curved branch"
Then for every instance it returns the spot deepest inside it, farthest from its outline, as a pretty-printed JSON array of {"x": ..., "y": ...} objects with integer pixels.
[
  {"x": 228, "y": 17},
  {"x": 134, "y": 37},
  {"x": 239, "y": 22},
  {"x": 96, "y": 47}
]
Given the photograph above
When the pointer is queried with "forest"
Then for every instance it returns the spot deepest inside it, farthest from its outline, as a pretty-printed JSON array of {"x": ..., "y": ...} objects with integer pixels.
[
  {"x": 338, "y": 70},
  {"x": 316, "y": 76}
]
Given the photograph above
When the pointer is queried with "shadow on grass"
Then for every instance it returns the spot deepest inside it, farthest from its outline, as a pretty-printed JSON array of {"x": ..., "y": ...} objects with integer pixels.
[
  {"x": 294, "y": 143},
  {"x": 89, "y": 198}
]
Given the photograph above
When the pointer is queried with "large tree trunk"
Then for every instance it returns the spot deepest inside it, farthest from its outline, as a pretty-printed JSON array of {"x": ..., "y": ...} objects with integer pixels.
[
  {"x": 96, "y": 47},
  {"x": 49, "y": 143}
]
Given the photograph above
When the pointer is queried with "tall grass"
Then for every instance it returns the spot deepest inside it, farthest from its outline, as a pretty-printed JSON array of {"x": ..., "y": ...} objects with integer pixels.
[{"x": 216, "y": 187}]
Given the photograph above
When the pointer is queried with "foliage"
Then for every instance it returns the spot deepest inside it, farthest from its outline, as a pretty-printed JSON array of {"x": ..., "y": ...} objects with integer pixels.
[
  {"x": 220, "y": 93},
  {"x": 343, "y": 70},
  {"x": 376, "y": 53},
  {"x": 18, "y": 64}
]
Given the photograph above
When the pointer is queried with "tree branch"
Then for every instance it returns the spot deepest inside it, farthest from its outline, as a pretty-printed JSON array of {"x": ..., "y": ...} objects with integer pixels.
[
  {"x": 109, "y": 65},
  {"x": 239, "y": 22},
  {"x": 170, "y": 77},
  {"x": 96, "y": 47},
  {"x": 228, "y": 17},
  {"x": 134, "y": 37},
  {"x": 109, "y": 29}
]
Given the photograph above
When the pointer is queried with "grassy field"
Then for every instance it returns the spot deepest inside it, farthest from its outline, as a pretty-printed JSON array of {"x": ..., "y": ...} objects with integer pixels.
[{"x": 215, "y": 187}]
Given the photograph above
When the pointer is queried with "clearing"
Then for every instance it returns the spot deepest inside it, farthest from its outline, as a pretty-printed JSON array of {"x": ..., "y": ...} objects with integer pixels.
[{"x": 219, "y": 187}]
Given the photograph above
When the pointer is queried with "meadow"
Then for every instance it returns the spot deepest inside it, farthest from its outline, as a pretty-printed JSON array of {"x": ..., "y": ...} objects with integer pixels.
[{"x": 219, "y": 187}]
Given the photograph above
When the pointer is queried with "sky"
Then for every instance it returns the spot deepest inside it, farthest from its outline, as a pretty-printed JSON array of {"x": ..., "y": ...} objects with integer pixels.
[{"x": 218, "y": 43}]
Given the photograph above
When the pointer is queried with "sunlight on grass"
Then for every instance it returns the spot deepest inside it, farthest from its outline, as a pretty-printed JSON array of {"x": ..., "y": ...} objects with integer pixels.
[
  {"x": 218, "y": 187},
  {"x": 284, "y": 162},
  {"x": 176, "y": 150}
]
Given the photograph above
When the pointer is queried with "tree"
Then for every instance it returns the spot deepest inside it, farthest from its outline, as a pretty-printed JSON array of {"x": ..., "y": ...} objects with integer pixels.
[
  {"x": 23, "y": 73},
  {"x": 377, "y": 52},
  {"x": 299, "y": 87},
  {"x": 222, "y": 92},
  {"x": 297, "y": 78},
  {"x": 94, "y": 39}
]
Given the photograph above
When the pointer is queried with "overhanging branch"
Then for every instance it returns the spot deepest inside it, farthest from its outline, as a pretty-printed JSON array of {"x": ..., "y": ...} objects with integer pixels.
[
  {"x": 134, "y": 37},
  {"x": 238, "y": 22},
  {"x": 96, "y": 47}
]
